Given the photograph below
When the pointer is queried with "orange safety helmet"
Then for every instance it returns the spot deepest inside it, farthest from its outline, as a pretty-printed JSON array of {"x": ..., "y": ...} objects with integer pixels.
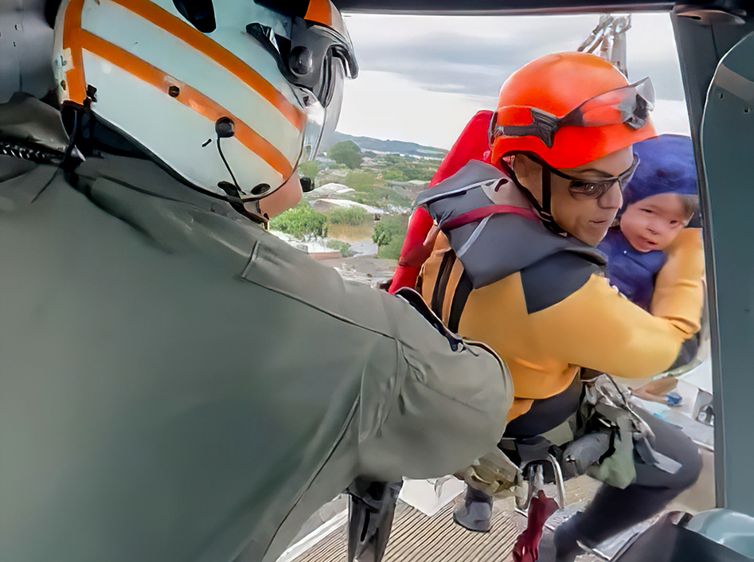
[{"x": 570, "y": 109}]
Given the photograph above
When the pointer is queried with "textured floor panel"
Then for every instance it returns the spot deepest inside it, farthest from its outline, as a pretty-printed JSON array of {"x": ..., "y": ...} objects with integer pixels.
[{"x": 418, "y": 538}]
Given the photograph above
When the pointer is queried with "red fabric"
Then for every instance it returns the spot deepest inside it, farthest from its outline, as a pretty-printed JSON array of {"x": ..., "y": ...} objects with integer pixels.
[
  {"x": 406, "y": 273},
  {"x": 484, "y": 212},
  {"x": 526, "y": 548},
  {"x": 472, "y": 144}
]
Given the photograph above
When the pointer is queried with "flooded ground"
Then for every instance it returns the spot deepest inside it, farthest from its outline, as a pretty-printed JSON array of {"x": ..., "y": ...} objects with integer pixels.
[
  {"x": 359, "y": 237},
  {"x": 369, "y": 270},
  {"x": 350, "y": 233}
]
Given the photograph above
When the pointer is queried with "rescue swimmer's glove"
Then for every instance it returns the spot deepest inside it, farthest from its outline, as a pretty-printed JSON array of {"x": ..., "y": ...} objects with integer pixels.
[{"x": 494, "y": 474}]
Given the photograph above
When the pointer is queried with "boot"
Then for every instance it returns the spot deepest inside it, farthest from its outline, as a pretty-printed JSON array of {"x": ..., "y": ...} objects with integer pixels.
[
  {"x": 475, "y": 514},
  {"x": 370, "y": 518}
]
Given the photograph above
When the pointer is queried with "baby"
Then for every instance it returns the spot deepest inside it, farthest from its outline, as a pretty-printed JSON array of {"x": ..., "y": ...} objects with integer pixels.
[{"x": 659, "y": 202}]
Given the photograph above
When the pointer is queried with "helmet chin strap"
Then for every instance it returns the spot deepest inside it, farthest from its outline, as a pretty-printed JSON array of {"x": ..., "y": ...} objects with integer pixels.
[
  {"x": 233, "y": 198},
  {"x": 544, "y": 209}
]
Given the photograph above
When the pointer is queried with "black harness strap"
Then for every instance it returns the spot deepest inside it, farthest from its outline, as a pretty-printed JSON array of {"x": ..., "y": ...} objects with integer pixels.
[
  {"x": 441, "y": 283},
  {"x": 463, "y": 290}
]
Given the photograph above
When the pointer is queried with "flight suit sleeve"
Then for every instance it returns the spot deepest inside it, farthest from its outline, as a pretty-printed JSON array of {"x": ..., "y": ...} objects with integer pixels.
[
  {"x": 445, "y": 406},
  {"x": 598, "y": 328}
]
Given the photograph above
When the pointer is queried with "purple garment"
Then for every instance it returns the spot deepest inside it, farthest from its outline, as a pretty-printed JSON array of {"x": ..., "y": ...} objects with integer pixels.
[
  {"x": 666, "y": 165},
  {"x": 631, "y": 271}
]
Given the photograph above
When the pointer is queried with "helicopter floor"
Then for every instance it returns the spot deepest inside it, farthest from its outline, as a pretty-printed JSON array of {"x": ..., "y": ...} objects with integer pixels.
[{"x": 419, "y": 538}]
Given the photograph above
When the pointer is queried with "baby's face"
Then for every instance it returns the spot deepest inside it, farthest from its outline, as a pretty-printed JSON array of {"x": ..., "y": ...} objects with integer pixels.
[{"x": 654, "y": 222}]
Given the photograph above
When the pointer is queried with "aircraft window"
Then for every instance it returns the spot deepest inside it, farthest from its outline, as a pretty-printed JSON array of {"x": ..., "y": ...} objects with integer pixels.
[{"x": 422, "y": 79}]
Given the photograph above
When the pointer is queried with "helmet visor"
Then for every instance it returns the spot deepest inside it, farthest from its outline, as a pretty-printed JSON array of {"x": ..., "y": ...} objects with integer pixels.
[
  {"x": 630, "y": 105},
  {"x": 321, "y": 119},
  {"x": 306, "y": 57},
  {"x": 315, "y": 56}
]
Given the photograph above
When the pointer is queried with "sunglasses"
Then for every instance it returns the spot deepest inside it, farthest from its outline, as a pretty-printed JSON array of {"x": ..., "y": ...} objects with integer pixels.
[{"x": 582, "y": 188}]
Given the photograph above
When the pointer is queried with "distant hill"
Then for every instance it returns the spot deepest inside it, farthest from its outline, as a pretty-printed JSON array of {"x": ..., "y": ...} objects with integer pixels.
[{"x": 389, "y": 146}]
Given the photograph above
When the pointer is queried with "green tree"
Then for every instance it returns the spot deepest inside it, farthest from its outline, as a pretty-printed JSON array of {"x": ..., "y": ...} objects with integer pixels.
[
  {"x": 394, "y": 174},
  {"x": 392, "y": 159},
  {"x": 354, "y": 216},
  {"x": 309, "y": 169},
  {"x": 381, "y": 197},
  {"x": 389, "y": 234},
  {"x": 347, "y": 153},
  {"x": 302, "y": 222},
  {"x": 343, "y": 247},
  {"x": 360, "y": 180}
]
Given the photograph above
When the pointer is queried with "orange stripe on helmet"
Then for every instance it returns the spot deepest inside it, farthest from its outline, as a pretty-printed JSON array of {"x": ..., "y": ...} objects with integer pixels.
[
  {"x": 189, "y": 97},
  {"x": 320, "y": 11},
  {"x": 74, "y": 77},
  {"x": 221, "y": 56}
]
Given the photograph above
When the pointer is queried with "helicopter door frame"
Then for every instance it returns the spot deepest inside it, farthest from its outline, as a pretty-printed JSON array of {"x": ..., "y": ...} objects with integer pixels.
[{"x": 727, "y": 194}]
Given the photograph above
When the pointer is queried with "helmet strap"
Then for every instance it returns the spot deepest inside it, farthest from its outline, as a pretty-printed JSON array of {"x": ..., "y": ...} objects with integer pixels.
[
  {"x": 543, "y": 209},
  {"x": 225, "y": 128}
]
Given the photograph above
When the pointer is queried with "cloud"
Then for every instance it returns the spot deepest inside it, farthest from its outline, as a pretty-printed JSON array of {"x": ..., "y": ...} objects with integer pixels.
[
  {"x": 454, "y": 54},
  {"x": 671, "y": 116},
  {"x": 424, "y": 76},
  {"x": 389, "y": 106}
]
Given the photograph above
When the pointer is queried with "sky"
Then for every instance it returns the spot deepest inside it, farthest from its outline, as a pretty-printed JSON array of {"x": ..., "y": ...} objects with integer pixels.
[{"x": 423, "y": 77}]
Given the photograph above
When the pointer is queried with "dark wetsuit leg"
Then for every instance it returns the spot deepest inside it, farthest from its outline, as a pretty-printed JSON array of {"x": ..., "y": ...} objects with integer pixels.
[{"x": 614, "y": 510}]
